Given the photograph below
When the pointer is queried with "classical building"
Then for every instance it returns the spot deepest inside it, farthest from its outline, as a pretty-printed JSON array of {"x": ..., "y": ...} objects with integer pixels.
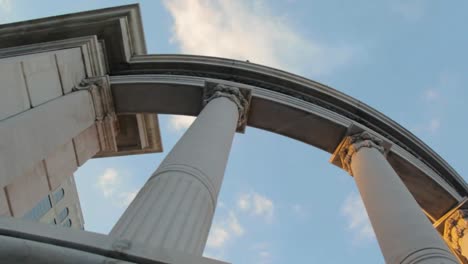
[{"x": 79, "y": 86}]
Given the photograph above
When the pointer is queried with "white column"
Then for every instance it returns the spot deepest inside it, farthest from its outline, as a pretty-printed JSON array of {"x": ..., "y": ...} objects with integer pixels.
[
  {"x": 174, "y": 209},
  {"x": 404, "y": 233}
]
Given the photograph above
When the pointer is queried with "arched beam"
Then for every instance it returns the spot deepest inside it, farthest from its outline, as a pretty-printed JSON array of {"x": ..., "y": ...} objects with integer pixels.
[{"x": 282, "y": 114}]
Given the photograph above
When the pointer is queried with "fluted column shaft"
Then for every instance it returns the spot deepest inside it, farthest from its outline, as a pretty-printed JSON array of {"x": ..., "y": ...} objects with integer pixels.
[
  {"x": 404, "y": 233},
  {"x": 175, "y": 207}
]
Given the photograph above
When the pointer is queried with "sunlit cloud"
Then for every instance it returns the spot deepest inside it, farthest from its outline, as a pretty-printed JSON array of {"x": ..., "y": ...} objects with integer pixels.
[
  {"x": 218, "y": 236},
  {"x": 108, "y": 182},
  {"x": 244, "y": 202},
  {"x": 5, "y": 6},
  {"x": 224, "y": 230},
  {"x": 358, "y": 222},
  {"x": 263, "y": 253},
  {"x": 256, "y": 204},
  {"x": 234, "y": 225},
  {"x": 6, "y": 9},
  {"x": 249, "y": 30},
  {"x": 111, "y": 185},
  {"x": 179, "y": 123}
]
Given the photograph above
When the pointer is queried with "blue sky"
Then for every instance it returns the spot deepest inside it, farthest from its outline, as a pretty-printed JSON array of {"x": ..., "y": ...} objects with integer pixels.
[{"x": 281, "y": 201}]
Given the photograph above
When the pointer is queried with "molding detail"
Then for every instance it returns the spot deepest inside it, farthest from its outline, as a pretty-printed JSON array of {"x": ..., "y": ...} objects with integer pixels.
[
  {"x": 456, "y": 231},
  {"x": 426, "y": 254},
  {"x": 352, "y": 144},
  {"x": 239, "y": 96},
  {"x": 301, "y": 89},
  {"x": 106, "y": 119}
]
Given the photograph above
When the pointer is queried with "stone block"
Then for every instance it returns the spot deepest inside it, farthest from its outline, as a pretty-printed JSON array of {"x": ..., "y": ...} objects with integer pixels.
[
  {"x": 34, "y": 135},
  {"x": 25, "y": 191},
  {"x": 42, "y": 77},
  {"x": 71, "y": 68},
  {"x": 61, "y": 165},
  {"x": 14, "y": 97},
  {"x": 86, "y": 144},
  {"x": 4, "y": 209}
]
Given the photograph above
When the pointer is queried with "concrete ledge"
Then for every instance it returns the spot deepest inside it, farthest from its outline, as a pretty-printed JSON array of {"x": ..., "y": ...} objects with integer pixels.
[{"x": 50, "y": 240}]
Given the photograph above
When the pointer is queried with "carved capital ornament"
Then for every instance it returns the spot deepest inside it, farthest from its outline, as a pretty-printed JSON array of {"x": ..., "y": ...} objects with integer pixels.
[
  {"x": 456, "y": 231},
  {"x": 352, "y": 144},
  {"x": 240, "y": 97}
]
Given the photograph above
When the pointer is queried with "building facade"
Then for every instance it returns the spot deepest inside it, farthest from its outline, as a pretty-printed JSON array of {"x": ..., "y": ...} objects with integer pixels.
[{"x": 79, "y": 86}]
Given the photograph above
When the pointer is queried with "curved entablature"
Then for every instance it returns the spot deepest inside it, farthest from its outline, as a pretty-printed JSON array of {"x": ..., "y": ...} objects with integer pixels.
[
  {"x": 114, "y": 92},
  {"x": 300, "y": 88},
  {"x": 290, "y": 105},
  {"x": 123, "y": 44}
]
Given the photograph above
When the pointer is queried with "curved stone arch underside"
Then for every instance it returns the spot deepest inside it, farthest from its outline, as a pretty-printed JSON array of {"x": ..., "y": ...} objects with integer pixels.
[
  {"x": 288, "y": 105},
  {"x": 111, "y": 45},
  {"x": 282, "y": 102}
]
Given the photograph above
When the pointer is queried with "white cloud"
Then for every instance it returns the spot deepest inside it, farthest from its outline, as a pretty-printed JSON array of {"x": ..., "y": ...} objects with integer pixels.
[
  {"x": 355, "y": 213},
  {"x": 112, "y": 187},
  {"x": 412, "y": 10},
  {"x": 263, "y": 206},
  {"x": 224, "y": 230},
  {"x": 227, "y": 227},
  {"x": 178, "y": 123},
  {"x": 244, "y": 202},
  {"x": 256, "y": 204},
  {"x": 6, "y": 9},
  {"x": 217, "y": 237},
  {"x": 234, "y": 225},
  {"x": 248, "y": 30},
  {"x": 108, "y": 182},
  {"x": 263, "y": 252},
  {"x": 5, "y": 6}
]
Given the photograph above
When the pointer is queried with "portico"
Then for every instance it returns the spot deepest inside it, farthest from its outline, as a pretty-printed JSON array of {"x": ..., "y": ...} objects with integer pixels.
[{"x": 106, "y": 103}]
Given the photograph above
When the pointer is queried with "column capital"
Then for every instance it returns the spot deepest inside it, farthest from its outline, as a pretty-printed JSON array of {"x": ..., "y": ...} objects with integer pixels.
[
  {"x": 456, "y": 231},
  {"x": 106, "y": 119},
  {"x": 239, "y": 96},
  {"x": 101, "y": 93},
  {"x": 352, "y": 144}
]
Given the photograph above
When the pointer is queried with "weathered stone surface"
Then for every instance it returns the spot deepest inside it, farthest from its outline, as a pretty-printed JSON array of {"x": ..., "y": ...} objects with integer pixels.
[
  {"x": 14, "y": 97},
  {"x": 4, "y": 209},
  {"x": 71, "y": 68},
  {"x": 33, "y": 135},
  {"x": 86, "y": 144},
  {"x": 42, "y": 77},
  {"x": 61, "y": 165},
  {"x": 26, "y": 191}
]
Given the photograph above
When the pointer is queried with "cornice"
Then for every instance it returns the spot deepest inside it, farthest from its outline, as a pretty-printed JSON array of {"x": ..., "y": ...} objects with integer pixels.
[
  {"x": 300, "y": 88},
  {"x": 120, "y": 28}
]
